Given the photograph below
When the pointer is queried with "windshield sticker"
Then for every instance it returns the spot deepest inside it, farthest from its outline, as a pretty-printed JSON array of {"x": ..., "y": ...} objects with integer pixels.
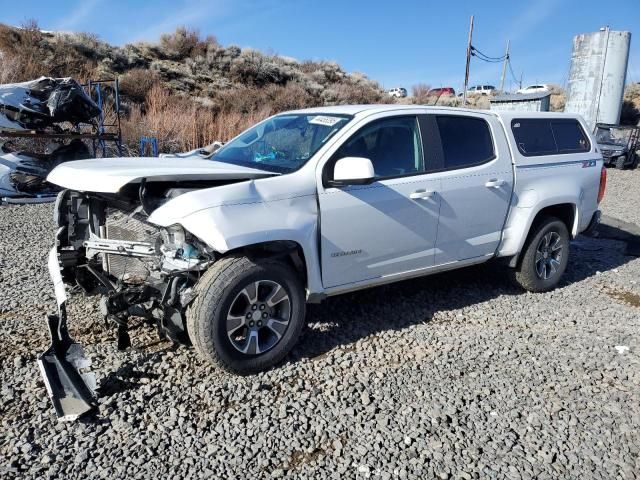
[{"x": 326, "y": 121}]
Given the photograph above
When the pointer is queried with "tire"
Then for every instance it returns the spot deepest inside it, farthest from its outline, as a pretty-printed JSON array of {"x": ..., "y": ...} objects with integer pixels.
[
  {"x": 621, "y": 162},
  {"x": 634, "y": 162},
  {"x": 534, "y": 264},
  {"x": 223, "y": 304}
]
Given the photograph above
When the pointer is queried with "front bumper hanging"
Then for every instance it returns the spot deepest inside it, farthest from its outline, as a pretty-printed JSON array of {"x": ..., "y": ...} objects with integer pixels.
[{"x": 70, "y": 388}]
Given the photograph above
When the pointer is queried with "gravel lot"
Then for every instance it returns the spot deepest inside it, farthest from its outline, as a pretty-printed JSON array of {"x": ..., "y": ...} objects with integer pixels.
[
  {"x": 454, "y": 376},
  {"x": 622, "y": 198}
]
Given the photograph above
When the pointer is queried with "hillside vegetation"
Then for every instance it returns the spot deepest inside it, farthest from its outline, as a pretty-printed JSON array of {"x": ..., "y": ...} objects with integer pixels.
[
  {"x": 188, "y": 90},
  {"x": 185, "y": 90}
]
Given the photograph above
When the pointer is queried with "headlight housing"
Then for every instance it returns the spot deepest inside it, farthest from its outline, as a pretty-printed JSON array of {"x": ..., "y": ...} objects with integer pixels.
[{"x": 175, "y": 243}]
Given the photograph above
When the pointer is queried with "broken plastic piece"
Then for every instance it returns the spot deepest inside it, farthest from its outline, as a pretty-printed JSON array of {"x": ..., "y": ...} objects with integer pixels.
[{"x": 71, "y": 391}]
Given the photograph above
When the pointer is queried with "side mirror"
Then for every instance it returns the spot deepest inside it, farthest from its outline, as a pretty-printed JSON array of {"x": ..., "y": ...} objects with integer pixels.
[{"x": 352, "y": 171}]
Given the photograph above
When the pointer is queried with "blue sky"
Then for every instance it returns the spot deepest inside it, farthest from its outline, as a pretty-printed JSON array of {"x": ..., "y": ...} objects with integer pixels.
[{"x": 397, "y": 43}]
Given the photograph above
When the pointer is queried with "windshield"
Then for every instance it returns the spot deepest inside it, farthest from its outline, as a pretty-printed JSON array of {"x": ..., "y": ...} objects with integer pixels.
[
  {"x": 282, "y": 144},
  {"x": 611, "y": 136}
]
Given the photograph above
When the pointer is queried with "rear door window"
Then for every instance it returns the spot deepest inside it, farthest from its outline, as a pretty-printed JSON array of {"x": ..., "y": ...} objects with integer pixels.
[
  {"x": 466, "y": 141},
  {"x": 546, "y": 136}
]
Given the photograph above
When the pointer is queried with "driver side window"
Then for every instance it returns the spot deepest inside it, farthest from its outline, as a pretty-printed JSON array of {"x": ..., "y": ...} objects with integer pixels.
[{"x": 392, "y": 144}]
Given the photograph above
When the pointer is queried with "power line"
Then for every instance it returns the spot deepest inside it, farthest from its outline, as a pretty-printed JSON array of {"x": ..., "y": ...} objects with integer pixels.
[
  {"x": 483, "y": 56},
  {"x": 513, "y": 75}
]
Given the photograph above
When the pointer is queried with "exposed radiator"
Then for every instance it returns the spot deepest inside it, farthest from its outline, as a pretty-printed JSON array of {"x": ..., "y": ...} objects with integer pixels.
[{"x": 123, "y": 226}]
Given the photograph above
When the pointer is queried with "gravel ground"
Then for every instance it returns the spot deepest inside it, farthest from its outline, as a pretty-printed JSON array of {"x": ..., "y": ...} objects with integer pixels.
[
  {"x": 622, "y": 198},
  {"x": 454, "y": 376}
]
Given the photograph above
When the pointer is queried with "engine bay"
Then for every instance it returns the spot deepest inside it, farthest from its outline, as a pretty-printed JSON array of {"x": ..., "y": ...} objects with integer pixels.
[{"x": 107, "y": 247}]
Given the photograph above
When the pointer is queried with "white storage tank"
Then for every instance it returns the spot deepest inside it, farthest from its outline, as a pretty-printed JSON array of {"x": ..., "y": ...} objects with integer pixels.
[{"x": 597, "y": 75}]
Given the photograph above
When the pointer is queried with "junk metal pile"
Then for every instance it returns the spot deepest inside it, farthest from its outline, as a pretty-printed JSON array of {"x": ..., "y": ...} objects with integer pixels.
[
  {"x": 42, "y": 105},
  {"x": 454, "y": 376}
]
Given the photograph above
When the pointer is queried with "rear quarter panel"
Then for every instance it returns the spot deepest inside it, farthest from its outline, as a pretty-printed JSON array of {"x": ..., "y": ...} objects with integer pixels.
[{"x": 543, "y": 181}]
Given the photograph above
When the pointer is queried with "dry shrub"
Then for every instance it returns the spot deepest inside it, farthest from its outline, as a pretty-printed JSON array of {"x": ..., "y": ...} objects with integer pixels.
[
  {"x": 9, "y": 69},
  {"x": 181, "y": 125},
  {"x": 274, "y": 98},
  {"x": 557, "y": 102},
  {"x": 482, "y": 102},
  {"x": 137, "y": 83},
  {"x": 21, "y": 51},
  {"x": 630, "y": 114},
  {"x": 450, "y": 101},
  {"x": 180, "y": 43},
  {"x": 420, "y": 93},
  {"x": 289, "y": 97},
  {"x": 254, "y": 68},
  {"x": 185, "y": 42},
  {"x": 353, "y": 93},
  {"x": 31, "y": 53},
  {"x": 555, "y": 89}
]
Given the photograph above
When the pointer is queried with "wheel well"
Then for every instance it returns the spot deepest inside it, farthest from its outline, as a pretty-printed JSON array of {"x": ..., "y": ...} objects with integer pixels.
[
  {"x": 565, "y": 212},
  {"x": 288, "y": 251}
]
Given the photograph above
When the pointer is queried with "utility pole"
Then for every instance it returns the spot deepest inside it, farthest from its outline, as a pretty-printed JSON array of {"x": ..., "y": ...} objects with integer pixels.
[
  {"x": 466, "y": 72},
  {"x": 520, "y": 80},
  {"x": 504, "y": 68}
]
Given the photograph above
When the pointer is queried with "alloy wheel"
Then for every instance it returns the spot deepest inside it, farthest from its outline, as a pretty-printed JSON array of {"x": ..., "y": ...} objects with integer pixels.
[
  {"x": 259, "y": 317},
  {"x": 548, "y": 255}
]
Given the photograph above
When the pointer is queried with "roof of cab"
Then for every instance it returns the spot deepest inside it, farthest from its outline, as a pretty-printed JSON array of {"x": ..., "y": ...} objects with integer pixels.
[
  {"x": 369, "y": 109},
  {"x": 365, "y": 110}
]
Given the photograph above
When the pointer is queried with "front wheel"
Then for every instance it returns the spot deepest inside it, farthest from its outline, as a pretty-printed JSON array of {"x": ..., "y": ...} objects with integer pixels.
[
  {"x": 545, "y": 256},
  {"x": 248, "y": 314}
]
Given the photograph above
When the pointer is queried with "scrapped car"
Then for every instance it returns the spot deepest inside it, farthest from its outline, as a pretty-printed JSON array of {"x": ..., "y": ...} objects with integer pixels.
[
  {"x": 23, "y": 175},
  {"x": 618, "y": 144},
  {"x": 226, "y": 252}
]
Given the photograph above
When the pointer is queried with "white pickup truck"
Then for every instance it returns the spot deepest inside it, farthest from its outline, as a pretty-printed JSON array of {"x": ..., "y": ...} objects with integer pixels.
[{"x": 225, "y": 252}]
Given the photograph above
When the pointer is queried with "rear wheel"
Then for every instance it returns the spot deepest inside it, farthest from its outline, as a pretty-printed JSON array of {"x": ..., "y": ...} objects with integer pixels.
[
  {"x": 545, "y": 256},
  {"x": 248, "y": 314}
]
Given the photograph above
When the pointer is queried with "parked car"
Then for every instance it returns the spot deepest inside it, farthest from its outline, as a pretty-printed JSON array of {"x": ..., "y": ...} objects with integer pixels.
[
  {"x": 442, "y": 92},
  {"x": 618, "y": 144},
  {"x": 398, "y": 92},
  {"x": 227, "y": 252},
  {"x": 481, "y": 90},
  {"x": 535, "y": 89}
]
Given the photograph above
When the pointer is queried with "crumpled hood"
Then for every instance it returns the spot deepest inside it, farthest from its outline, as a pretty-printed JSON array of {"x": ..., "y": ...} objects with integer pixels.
[{"x": 108, "y": 175}]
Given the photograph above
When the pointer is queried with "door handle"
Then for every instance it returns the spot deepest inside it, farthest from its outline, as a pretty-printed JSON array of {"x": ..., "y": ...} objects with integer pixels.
[
  {"x": 420, "y": 194},
  {"x": 494, "y": 183}
]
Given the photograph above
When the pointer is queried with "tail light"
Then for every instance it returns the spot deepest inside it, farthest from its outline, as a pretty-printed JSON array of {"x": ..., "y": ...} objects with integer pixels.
[{"x": 603, "y": 184}]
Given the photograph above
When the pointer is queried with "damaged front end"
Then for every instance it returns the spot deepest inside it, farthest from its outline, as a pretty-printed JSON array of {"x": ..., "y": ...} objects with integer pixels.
[{"x": 105, "y": 246}]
